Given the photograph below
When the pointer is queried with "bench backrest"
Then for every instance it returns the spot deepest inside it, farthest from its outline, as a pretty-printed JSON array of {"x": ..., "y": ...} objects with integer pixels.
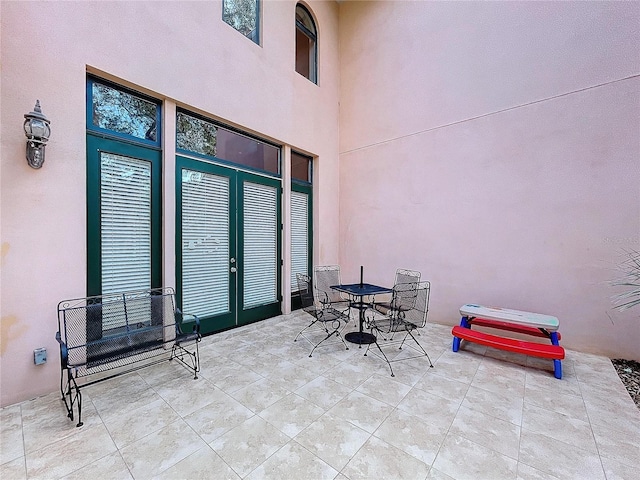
[{"x": 106, "y": 327}]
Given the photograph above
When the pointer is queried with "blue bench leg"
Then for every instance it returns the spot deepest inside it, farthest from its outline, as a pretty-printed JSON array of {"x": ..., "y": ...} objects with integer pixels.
[
  {"x": 557, "y": 364},
  {"x": 456, "y": 341},
  {"x": 557, "y": 368}
]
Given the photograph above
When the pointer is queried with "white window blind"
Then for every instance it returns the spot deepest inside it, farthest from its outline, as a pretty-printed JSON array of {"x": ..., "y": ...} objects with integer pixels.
[
  {"x": 125, "y": 208},
  {"x": 260, "y": 244},
  {"x": 205, "y": 243},
  {"x": 299, "y": 236}
]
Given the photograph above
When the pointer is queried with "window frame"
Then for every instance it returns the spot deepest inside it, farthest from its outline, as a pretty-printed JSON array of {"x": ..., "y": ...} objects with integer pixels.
[
  {"x": 91, "y": 79},
  {"x": 313, "y": 67}
]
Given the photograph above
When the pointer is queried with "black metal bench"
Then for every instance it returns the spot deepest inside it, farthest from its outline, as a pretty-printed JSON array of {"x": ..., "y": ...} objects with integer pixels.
[{"x": 120, "y": 333}]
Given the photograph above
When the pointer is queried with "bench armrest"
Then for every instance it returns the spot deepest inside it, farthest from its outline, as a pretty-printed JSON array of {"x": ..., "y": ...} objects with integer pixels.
[
  {"x": 180, "y": 320},
  {"x": 64, "y": 351}
]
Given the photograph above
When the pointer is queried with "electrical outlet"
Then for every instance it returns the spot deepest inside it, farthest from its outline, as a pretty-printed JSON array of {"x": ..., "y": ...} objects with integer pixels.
[{"x": 40, "y": 356}]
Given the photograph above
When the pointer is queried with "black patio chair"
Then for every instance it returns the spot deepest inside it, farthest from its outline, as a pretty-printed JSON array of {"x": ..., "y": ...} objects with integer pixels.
[
  {"x": 325, "y": 317},
  {"x": 324, "y": 277},
  {"x": 406, "y": 314},
  {"x": 402, "y": 276}
]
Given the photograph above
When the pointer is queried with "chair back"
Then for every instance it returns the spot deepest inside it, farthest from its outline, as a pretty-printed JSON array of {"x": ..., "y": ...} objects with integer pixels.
[
  {"x": 325, "y": 277},
  {"x": 305, "y": 290},
  {"x": 410, "y": 302},
  {"x": 406, "y": 276}
]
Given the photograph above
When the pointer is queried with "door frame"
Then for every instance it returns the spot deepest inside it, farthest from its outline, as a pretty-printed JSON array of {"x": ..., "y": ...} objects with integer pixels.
[{"x": 236, "y": 316}]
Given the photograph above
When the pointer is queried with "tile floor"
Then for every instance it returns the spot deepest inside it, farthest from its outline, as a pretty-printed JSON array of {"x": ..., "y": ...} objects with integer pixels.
[{"x": 262, "y": 409}]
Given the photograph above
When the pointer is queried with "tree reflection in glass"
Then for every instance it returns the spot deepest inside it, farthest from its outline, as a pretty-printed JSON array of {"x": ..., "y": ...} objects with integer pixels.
[
  {"x": 196, "y": 135},
  {"x": 122, "y": 112},
  {"x": 242, "y": 15}
]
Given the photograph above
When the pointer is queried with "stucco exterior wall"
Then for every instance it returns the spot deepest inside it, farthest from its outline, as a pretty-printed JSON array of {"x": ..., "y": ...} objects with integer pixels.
[
  {"x": 180, "y": 52},
  {"x": 494, "y": 147}
]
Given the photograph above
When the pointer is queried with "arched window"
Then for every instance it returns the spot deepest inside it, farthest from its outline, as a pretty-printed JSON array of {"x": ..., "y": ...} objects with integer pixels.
[{"x": 306, "y": 44}]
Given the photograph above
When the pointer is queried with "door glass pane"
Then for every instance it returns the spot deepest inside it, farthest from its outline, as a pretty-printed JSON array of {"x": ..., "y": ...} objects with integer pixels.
[
  {"x": 299, "y": 236},
  {"x": 260, "y": 244},
  {"x": 125, "y": 210},
  {"x": 205, "y": 243},
  {"x": 122, "y": 112}
]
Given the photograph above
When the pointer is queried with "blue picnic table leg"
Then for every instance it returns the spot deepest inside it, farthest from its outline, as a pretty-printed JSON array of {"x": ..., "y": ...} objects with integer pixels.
[
  {"x": 557, "y": 364},
  {"x": 456, "y": 341}
]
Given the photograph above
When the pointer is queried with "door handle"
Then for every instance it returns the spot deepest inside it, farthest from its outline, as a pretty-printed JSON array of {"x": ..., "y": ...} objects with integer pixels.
[{"x": 233, "y": 270}]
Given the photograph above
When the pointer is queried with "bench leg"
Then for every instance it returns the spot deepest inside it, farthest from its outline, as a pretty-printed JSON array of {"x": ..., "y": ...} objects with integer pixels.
[
  {"x": 557, "y": 364},
  {"x": 80, "y": 423},
  {"x": 464, "y": 323},
  {"x": 557, "y": 369},
  {"x": 74, "y": 394},
  {"x": 178, "y": 352}
]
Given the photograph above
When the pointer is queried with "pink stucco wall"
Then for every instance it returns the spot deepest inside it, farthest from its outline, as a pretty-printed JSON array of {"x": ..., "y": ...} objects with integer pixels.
[
  {"x": 180, "y": 52},
  {"x": 495, "y": 147}
]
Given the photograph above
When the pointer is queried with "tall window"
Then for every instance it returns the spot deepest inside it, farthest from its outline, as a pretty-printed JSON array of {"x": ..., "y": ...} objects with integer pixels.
[
  {"x": 243, "y": 15},
  {"x": 123, "y": 189},
  {"x": 306, "y": 44},
  {"x": 301, "y": 221}
]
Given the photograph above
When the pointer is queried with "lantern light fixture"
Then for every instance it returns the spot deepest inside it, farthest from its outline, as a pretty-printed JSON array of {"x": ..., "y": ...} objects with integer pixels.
[{"x": 37, "y": 130}]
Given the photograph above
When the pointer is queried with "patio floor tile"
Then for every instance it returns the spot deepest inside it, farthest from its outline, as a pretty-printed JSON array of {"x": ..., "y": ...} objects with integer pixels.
[
  {"x": 463, "y": 459},
  {"x": 262, "y": 409}
]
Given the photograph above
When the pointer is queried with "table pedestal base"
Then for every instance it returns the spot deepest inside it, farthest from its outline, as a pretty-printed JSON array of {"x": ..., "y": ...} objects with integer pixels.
[{"x": 361, "y": 338}]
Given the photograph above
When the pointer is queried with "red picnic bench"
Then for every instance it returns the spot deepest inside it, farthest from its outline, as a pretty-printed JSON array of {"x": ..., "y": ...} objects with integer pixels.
[{"x": 533, "y": 324}]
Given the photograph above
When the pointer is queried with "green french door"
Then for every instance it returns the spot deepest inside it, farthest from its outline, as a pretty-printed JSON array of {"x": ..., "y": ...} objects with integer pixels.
[
  {"x": 228, "y": 254},
  {"x": 124, "y": 211}
]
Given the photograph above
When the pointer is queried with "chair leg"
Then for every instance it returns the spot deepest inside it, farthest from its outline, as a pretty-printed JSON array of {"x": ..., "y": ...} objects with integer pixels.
[
  {"x": 329, "y": 335},
  {"x": 386, "y": 359},
  {"x": 419, "y": 346},
  {"x": 308, "y": 326},
  {"x": 383, "y": 355}
]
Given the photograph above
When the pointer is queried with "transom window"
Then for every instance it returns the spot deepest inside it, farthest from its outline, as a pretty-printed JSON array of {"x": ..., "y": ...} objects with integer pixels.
[
  {"x": 301, "y": 167},
  {"x": 204, "y": 137},
  {"x": 126, "y": 114},
  {"x": 306, "y": 44},
  {"x": 243, "y": 15}
]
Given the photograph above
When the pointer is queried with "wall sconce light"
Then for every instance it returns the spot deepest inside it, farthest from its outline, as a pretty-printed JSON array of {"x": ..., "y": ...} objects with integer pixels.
[{"x": 37, "y": 130}]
